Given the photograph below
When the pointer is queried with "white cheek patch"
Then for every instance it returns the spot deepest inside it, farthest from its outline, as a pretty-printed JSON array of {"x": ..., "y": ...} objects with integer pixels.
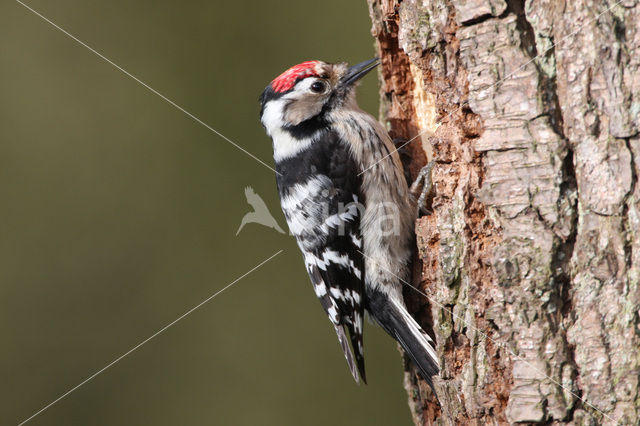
[
  {"x": 284, "y": 144},
  {"x": 272, "y": 116}
]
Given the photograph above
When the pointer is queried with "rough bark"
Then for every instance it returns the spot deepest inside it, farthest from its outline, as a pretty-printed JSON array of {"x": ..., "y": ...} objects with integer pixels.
[{"x": 530, "y": 259}]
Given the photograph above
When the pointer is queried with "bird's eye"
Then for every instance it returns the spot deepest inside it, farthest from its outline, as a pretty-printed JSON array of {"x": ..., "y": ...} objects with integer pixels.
[{"x": 318, "y": 87}]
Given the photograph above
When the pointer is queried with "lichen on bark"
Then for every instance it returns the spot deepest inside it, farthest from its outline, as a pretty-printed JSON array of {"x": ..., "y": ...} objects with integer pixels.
[{"x": 529, "y": 258}]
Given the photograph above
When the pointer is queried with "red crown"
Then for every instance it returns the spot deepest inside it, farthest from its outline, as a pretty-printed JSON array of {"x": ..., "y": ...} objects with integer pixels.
[{"x": 287, "y": 79}]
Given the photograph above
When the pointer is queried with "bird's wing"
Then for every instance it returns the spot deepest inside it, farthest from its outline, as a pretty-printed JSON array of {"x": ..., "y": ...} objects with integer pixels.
[
  {"x": 336, "y": 269},
  {"x": 324, "y": 214}
]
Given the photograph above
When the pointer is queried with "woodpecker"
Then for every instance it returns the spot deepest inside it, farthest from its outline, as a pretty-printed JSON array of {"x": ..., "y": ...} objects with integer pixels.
[{"x": 344, "y": 195}]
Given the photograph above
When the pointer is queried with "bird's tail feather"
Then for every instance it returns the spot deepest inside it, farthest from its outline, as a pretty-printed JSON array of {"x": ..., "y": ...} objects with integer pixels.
[
  {"x": 396, "y": 321},
  {"x": 348, "y": 354},
  {"x": 357, "y": 349}
]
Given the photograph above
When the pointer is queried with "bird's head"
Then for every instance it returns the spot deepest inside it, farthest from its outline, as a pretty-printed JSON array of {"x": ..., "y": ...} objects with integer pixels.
[{"x": 309, "y": 90}]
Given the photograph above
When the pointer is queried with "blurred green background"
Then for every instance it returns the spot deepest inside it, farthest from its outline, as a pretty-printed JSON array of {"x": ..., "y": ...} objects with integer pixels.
[{"x": 119, "y": 214}]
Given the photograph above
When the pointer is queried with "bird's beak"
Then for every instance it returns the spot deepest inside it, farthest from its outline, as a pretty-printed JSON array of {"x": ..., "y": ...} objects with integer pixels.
[{"x": 358, "y": 71}]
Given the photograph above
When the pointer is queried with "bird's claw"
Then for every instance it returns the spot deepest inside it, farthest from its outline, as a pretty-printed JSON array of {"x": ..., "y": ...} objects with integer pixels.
[{"x": 424, "y": 178}]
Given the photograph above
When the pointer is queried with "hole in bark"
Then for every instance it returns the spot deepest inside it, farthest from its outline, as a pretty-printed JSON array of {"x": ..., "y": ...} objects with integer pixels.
[
  {"x": 527, "y": 38},
  {"x": 618, "y": 28},
  {"x": 563, "y": 253},
  {"x": 478, "y": 20},
  {"x": 628, "y": 243}
]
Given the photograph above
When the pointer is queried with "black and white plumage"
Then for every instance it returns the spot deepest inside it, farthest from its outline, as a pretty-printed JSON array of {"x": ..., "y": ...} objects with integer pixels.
[{"x": 345, "y": 198}]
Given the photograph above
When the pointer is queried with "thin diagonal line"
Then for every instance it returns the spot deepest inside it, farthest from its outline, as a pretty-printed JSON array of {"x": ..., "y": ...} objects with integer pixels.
[
  {"x": 148, "y": 339},
  {"x": 146, "y": 86},
  {"x": 503, "y": 345},
  {"x": 493, "y": 85}
]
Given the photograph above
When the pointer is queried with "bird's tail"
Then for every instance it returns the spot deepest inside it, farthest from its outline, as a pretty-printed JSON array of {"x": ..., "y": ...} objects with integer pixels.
[{"x": 393, "y": 317}]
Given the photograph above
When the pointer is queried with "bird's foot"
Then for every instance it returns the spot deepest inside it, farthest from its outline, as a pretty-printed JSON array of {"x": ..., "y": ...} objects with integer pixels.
[{"x": 425, "y": 182}]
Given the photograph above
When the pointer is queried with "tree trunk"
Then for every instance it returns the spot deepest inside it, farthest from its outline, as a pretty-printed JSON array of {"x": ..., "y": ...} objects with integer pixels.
[{"x": 530, "y": 259}]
